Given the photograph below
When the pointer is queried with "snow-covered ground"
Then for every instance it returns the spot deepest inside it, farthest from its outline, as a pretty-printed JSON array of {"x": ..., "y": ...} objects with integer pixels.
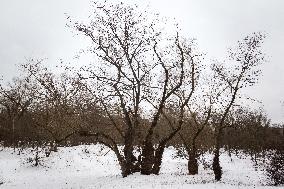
[{"x": 92, "y": 167}]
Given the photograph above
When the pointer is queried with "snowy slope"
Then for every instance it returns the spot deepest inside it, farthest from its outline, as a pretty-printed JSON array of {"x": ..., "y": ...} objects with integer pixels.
[{"x": 93, "y": 167}]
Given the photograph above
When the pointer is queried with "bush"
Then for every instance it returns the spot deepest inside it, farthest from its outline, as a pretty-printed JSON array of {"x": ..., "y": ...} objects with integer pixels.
[
  {"x": 37, "y": 153},
  {"x": 275, "y": 168}
]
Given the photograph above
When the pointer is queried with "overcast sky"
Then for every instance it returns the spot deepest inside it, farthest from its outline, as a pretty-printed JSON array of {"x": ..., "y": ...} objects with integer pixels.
[{"x": 36, "y": 28}]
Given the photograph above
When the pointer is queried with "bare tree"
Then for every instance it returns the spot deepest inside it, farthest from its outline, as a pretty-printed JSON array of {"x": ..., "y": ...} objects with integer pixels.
[
  {"x": 242, "y": 70},
  {"x": 53, "y": 110},
  {"x": 136, "y": 68},
  {"x": 197, "y": 123},
  {"x": 16, "y": 97}
]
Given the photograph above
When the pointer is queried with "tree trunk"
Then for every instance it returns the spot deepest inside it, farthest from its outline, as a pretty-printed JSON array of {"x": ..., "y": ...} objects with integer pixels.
[
  {"x": 147, "y": 158},
  {"x": 216, "y": 161},
  {"x": 230, "y": 153},
  {"x": 53, "y": 146},
  {"x": 125, "y": 167},
  {"x": 158, "y": 160},
  {"x": 216, "y": 165},
  {"x": 132, "y": 164},
  {"x": 13, "y": 133},
  {"x": 192, "y": 162}
]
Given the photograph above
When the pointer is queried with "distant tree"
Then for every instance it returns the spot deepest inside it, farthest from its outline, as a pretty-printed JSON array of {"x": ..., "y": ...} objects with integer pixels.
[
  {"x": 249, "y": 131},
  {"x": 54, "y": 107},
  {"x": 15, "y": 100}
]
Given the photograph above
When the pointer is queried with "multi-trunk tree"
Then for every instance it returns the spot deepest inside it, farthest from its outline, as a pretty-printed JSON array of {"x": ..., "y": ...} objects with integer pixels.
[{"x": 137, "y": 72}]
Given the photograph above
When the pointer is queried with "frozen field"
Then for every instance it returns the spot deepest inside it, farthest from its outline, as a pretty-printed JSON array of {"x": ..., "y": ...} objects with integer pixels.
[{"x": 90, "y": 167}]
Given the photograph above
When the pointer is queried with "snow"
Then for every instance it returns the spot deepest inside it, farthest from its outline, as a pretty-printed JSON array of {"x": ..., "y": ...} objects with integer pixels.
[{"x": 91, "y": 166}]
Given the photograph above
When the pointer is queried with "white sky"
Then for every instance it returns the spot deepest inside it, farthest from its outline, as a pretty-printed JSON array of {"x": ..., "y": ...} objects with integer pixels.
[{"x": 36, "y": 28}]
